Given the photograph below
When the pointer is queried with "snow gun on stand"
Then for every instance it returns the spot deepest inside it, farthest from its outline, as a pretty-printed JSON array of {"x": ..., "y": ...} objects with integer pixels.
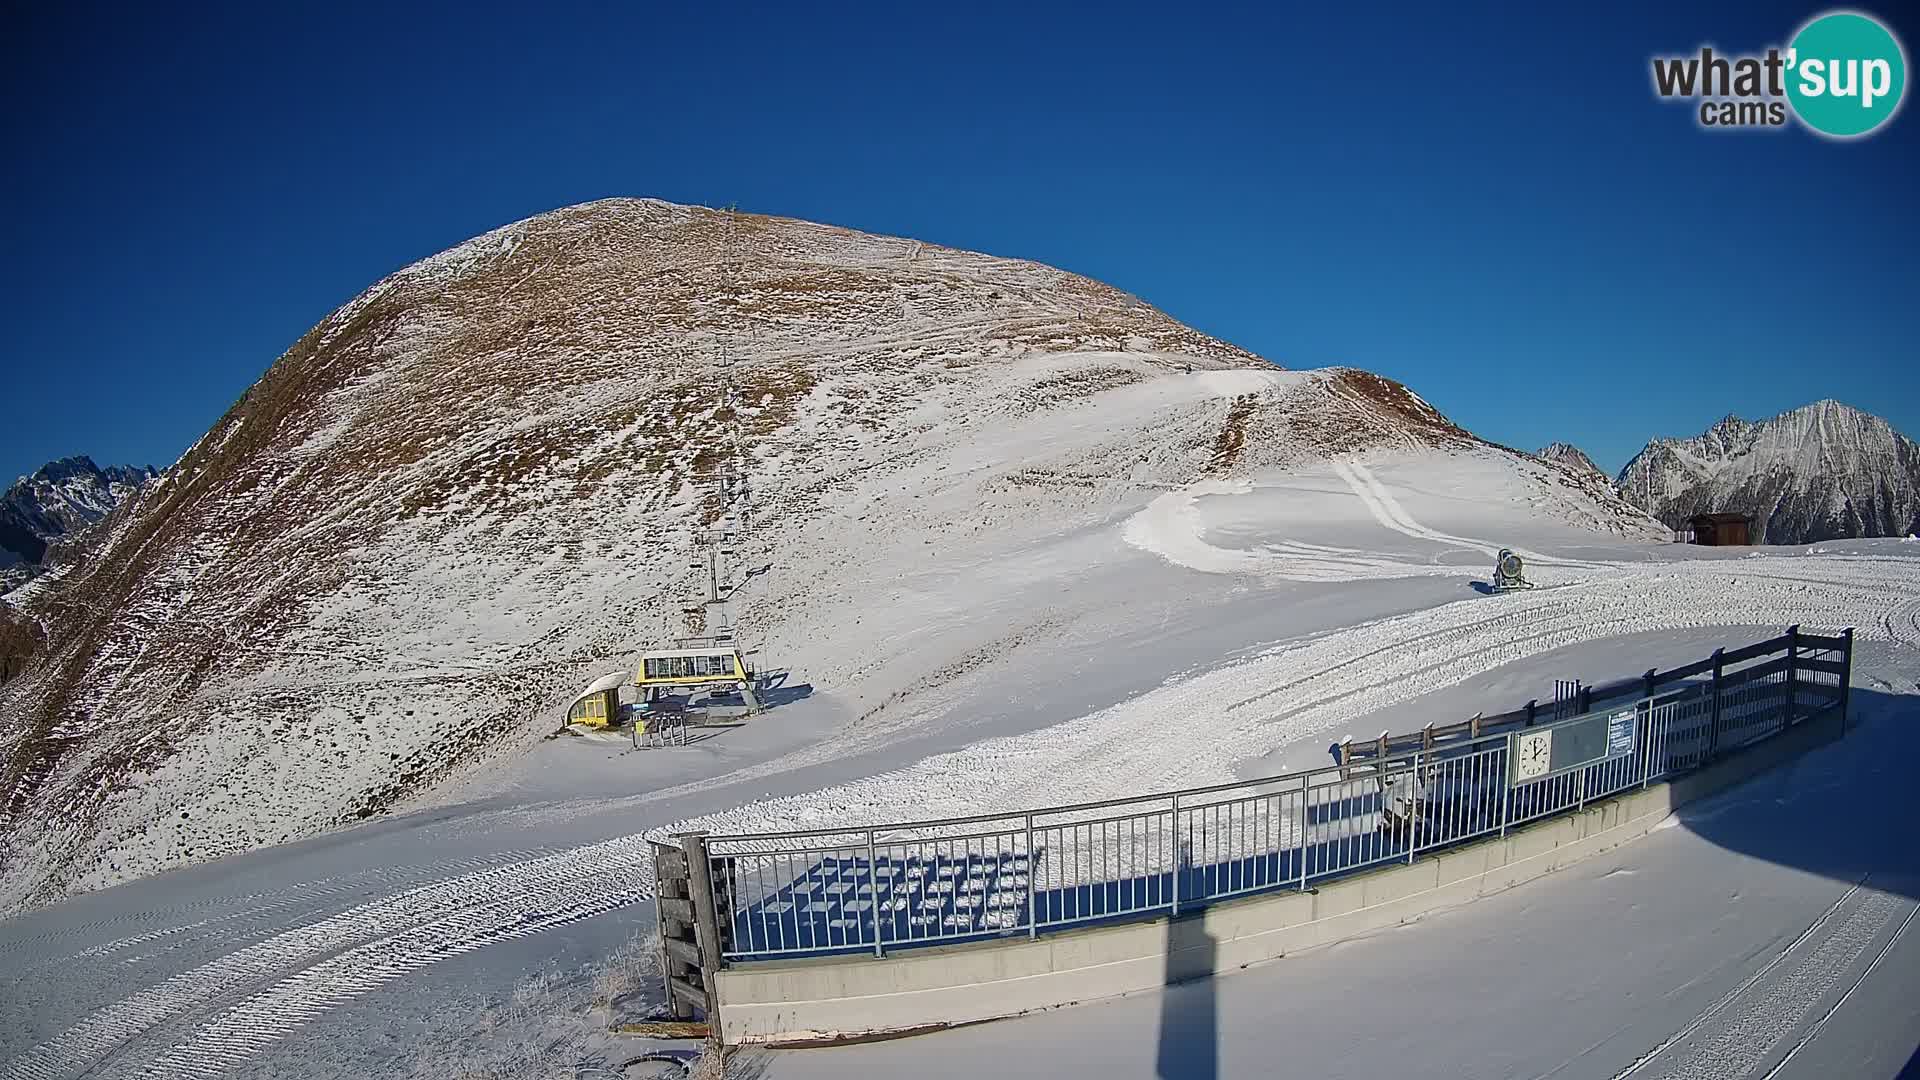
[{"x": 1509, "y": 572}]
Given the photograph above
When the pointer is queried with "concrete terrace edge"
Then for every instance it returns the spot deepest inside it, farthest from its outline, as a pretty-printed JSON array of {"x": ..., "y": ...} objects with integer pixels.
[{"x": 850, "y": 998}]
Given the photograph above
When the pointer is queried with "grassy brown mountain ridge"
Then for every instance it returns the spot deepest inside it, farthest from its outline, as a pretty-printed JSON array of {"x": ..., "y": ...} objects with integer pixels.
[
  {"x": 473, "y": 488},
  {"x": 562, "y": 359}
]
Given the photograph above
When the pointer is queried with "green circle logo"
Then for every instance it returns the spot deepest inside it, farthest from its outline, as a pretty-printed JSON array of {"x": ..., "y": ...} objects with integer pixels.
[{"x": 1846, "y": 74}]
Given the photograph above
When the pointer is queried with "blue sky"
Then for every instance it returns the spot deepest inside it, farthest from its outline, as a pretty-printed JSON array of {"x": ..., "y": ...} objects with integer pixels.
[{"x": 1489, "y": 205}]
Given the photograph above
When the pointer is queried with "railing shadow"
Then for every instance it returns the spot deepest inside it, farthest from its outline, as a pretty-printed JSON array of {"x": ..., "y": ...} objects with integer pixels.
[
  {"x": 1843, "y": 811},
  {"x": 1189, "y": 1022}
]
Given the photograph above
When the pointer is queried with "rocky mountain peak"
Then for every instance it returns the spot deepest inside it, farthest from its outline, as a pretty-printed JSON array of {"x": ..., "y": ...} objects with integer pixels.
[
  {"x": 1570, "y": 456},
  {"x": 1822, "y": 471},
  {"x": 58, "y": 500}
]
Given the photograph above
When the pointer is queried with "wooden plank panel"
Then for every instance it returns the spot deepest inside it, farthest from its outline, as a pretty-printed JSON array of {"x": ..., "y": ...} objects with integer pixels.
[
  {"x": 684, "y": 951},
  {"x": 687, "y": 992},
  {"x": 669, "y": 863}
]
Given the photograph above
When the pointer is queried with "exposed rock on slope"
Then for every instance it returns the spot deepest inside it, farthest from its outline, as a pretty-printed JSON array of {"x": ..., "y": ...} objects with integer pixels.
[
  {"x": 1570, "y": 456},
  {"x": 472, "y": 488},
  {"x": 1821, "y": 472}
]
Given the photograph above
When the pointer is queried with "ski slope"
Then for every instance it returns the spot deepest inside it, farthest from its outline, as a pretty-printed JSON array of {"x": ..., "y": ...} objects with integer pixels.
[{"x": 1197, "y": 650}]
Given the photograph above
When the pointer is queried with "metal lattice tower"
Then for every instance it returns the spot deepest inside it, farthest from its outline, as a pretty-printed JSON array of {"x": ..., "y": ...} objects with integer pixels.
[{"x": 725, "y": 485}]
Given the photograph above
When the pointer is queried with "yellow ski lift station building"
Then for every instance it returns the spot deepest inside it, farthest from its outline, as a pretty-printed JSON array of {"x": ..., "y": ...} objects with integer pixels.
[
  {"x": 721, "y": 663},
  {"x": 598, "y": 706}
]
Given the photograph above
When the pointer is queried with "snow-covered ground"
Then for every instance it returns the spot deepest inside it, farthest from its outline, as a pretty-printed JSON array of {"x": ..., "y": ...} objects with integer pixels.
[
  {"x": 1762, "y": 933},
  {"x": 1212, "y": 631}
]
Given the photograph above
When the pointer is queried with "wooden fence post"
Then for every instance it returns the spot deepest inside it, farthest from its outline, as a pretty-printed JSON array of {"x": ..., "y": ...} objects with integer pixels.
[
  {"x": 1713, "y": 730},
  {"x": 1793, "y": 662},
  {"x": 1846, "y": 677},
  {"x": 706, "y": 919}
]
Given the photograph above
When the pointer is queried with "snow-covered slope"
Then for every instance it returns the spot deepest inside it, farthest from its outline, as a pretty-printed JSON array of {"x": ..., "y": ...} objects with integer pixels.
[
  {"x": 473, "y": 488},
  {"x": 1571, "y": 456},
  {"x": 58, "y": 500},
  {"x": 1821, "y": 472}
]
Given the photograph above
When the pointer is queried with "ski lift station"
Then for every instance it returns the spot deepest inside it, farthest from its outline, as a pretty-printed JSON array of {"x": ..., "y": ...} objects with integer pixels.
[
  {"x": 719, "y": 663},
  {"x": 661, "y": 676}
]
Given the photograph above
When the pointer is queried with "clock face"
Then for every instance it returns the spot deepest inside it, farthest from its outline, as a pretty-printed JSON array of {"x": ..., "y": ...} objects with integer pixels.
[{"x": 1533, "y": 751}]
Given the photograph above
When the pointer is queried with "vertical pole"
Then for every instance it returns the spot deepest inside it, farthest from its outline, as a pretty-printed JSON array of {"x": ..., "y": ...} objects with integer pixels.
[
  {"x": 1033, "y": 883},
  {"x": 1793, "y": 661},
  {"x": 1586, "y": 700},
  {"x": 873, "y": 891},
  {"x": 1846, "y": 677},
  {"x": 1506, "y": 788},
  {"x": 1305, "y": 787},
  {"x": 1416, "y": 806},
  {"x": 1652, "y": 683},
  {"x": 1180, "y": 853},
  {"x": 706, "y": 930},
  {"x": 1713, "y": 729},
  {"x": 1646, "y": 749}
]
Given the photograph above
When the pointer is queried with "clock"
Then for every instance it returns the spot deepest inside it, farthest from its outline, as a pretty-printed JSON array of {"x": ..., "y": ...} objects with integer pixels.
[{"x": 1533, "y": 754}]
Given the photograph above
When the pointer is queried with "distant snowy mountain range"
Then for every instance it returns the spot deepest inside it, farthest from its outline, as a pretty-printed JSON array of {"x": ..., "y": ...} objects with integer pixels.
[
  {"x": 1821, "y": 472},
  {"x": 60, "y": 499}
]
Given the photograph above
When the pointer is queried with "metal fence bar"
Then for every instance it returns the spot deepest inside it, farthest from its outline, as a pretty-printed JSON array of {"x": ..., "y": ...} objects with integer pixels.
[{"x": 974, "y": 878}]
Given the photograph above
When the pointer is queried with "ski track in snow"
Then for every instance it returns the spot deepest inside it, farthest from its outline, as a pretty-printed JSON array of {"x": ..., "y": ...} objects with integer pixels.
[
  {"x": 1241, "y": 710},
  {"x": 1171, "y": 526},
  {"x": 303, "y": 895},
  {"x": 1902, "y": 624},
  {"x": 363, "y": 947},
  {"x": 214, "y": 1016},
  {"x": 1739, "y": 1032}
]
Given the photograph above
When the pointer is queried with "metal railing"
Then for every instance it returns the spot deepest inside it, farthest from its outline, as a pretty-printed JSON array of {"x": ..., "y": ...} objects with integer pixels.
[{"x": 870, "y": 889}]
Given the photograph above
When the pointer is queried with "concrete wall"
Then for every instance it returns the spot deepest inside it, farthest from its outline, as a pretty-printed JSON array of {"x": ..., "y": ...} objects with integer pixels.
[{"x": 837, "y": 998}]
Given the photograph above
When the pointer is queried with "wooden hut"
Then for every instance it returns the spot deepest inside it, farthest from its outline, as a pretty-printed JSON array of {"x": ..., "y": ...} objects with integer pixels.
[{"x": 1723, "y": 530}]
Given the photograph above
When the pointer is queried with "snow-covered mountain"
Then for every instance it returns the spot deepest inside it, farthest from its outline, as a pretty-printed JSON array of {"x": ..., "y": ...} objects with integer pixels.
[
  {"x": 1820, "y": 472},
  {"x": 474, "y": 487},
  {"x": 58, "y": 500},
  {"x": 1572, "y": 457}
]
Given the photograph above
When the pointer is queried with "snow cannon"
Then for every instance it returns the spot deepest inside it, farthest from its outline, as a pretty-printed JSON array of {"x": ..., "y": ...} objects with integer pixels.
[{"x": 1509, "y": 572}]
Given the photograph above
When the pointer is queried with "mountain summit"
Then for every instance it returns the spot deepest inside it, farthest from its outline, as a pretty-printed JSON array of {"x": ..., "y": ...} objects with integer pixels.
[
  {"x": 1820, "y": 472},
  {"x": 476, "y": 486},
  {"x": 1572, "y": 457},
  {"x": 57, "y": 500}
]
